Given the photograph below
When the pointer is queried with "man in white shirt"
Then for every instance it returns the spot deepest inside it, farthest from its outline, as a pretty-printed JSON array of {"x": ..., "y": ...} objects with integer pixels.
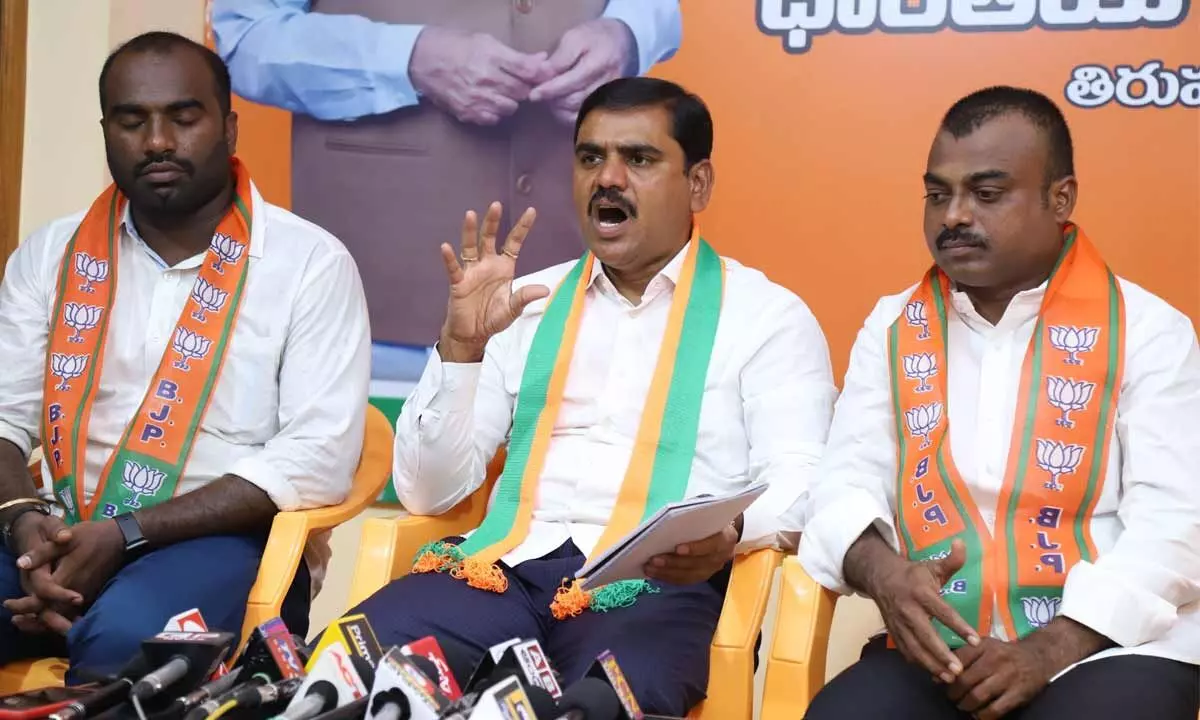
[
  {"x": 219, "y": 377},
  {"x": 1042, "y": 560},
  {"x": 657, "y": 370}
]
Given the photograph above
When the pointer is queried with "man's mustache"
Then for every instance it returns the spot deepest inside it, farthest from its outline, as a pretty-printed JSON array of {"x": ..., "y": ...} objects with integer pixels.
[
  {"x": 180, "y": 163},
  {"x": 613, "y": 197},
  {"x": 959, "y": 235}
]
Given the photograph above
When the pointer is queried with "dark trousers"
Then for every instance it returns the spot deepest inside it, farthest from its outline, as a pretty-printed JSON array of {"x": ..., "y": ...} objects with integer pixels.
[
  {"x": 214, "y": 574},
  {"x": 882, "y": 684},
  {"x": 661, "y": 642}
]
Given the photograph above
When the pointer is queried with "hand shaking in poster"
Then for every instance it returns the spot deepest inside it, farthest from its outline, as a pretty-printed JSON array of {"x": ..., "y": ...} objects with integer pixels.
[{"x": 480, "y": 80}]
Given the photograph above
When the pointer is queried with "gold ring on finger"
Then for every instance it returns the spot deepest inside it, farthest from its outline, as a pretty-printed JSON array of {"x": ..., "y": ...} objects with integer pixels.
[
  {"x": 466, "y": 259},
  {"x": 510, "y": 253}
]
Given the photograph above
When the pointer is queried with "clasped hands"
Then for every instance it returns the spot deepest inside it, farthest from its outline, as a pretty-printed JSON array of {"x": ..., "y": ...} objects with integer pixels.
[
  {"x": 986, "y": 677},
  {"x": 62, "y": 570},
  {"x": 480, "y": 80}
]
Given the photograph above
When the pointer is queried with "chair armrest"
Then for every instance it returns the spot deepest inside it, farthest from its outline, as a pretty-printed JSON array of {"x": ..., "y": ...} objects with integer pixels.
[
  {"x": 389, "y": 545},
  {"x": 746, "y": 600},
  {"x": 796, "y": 664},
  {"x": 290, "y": 531}
]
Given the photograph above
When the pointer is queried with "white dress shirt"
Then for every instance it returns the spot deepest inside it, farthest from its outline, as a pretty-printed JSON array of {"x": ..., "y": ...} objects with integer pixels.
[
  {"x": 766, "y": 409},
  {"x": 1143, "y": 590},
  {"x": 288, "y": 410}
]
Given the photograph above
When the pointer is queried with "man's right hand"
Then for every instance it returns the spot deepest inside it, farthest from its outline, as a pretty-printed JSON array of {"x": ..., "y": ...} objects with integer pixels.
[
  {"x": 482, "y": 302},
  {"x": 39, "y": 541},
  {"x": 907, "y": 594},
  {"x": 473, "y": 76}
]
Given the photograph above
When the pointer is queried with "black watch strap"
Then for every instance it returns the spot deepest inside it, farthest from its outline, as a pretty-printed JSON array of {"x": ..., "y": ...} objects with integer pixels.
[
  {"x": 135, "y": 543},
  {"x": 10, "y": 521}
]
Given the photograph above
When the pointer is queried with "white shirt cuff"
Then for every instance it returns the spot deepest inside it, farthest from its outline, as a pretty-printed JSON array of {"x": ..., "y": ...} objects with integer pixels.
[
  {"x": 830, "y": 532},
  {"x": 1104, "y": 602},
  {"x": 452, "y": 385},
  {"x": 761, "y": 528},
  {"x": 256, "y": 471}
]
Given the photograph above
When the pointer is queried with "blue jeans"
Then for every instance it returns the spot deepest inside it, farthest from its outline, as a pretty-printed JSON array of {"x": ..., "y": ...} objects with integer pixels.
[{"x": 214, "y": 574}]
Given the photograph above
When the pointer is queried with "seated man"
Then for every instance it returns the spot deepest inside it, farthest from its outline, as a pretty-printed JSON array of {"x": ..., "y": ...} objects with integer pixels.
[
  {"x": 1011, "y": 472},
  {"x": 192, "y": 360},
  {"x": 648, "y": 371}
]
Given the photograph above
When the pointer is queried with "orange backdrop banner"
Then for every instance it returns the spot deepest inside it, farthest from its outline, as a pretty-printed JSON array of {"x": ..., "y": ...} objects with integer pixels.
[{"x": 825, "y": 110}]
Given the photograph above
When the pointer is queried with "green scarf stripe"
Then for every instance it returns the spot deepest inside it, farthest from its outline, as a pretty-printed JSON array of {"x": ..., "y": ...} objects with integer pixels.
[
  {"x": 535, "y": 382},
  {"x": 239, "y": 203},
  {"x": 1114, "y": 347},
  {"x": 901, "y": 435},
  {"x": 681, "y": 416}
]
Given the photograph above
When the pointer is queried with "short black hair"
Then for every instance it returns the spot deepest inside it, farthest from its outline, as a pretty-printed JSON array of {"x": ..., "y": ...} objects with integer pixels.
[
  {"x": 972, "y": 111},
  {"x": 693, "y": 126},
  {"x": 161, "y": 41}
]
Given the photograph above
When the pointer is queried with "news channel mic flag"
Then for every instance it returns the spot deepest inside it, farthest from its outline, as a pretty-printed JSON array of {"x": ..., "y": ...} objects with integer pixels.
[{"x": 408, "y": 113}]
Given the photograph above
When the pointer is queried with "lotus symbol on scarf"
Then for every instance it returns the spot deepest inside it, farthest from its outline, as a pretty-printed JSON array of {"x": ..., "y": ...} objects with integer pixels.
[
  {"x": 227, "y": 249},
  {"x": 80, "y": 317},
  {"x": 66, "y": 368},
  {"x": 91, "y": 270},
  {"x": 1057, "y": 459},
  {"x": 141, "y": 480},
  {"x": 1073, "y": 340},
  {"x": 189, "y": 345},
  {"x": 914, "y": 312},
  {"x": 1068, "y": 395},
  {"x": 208, "y": 297},
  {"x": 1039, "y": 611},
  {"x": 922, "y": 420},
  {"x": 921, "y": 367}
]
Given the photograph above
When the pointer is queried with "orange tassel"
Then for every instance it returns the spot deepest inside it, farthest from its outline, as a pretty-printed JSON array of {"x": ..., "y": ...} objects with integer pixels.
[
  {"x": 482, "y": 575},
  {"x": 569, "y": 601},
  {"x": 429, "y": 562}
]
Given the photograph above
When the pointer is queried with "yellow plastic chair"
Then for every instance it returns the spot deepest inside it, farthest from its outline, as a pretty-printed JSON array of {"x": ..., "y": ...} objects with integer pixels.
[
  {"x": 800, "y": 644},
  {"x": 389, "y": 545},
  {"x": 290, "y": 532}
]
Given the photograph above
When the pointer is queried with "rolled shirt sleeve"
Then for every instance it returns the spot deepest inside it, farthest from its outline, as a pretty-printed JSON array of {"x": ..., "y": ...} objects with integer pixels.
[{"x": 324, "y": 380}]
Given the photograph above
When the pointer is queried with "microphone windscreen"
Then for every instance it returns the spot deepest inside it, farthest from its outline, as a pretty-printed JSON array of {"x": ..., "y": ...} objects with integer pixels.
[
  {"x": 593, "y": 697},
  {"x": 544, "y": 707}
]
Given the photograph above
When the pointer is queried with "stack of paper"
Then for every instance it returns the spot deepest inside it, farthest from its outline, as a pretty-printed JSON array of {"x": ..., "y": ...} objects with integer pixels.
[{"x": 673, "y": 525}]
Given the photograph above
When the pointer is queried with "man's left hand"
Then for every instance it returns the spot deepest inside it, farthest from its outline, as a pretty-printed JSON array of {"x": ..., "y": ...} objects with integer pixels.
[
  {"x": 997, "y": 678},
  {"x": 96, "y": 552},
  {"x": 587, "y": 56},
  {"x": 694, "y": 562}
]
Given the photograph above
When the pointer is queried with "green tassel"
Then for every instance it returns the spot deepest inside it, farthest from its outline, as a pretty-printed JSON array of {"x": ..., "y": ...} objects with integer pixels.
[
  {"x": 622, "y": 593},
  {"x": 449, "y": 552}
]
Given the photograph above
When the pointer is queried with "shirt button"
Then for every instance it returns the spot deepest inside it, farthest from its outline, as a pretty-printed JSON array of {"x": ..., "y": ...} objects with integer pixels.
[{"x": 524, "y": 184}]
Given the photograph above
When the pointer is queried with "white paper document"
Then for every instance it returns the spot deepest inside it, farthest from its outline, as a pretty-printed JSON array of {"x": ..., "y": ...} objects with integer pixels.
[{"x": 673, "y": 525}]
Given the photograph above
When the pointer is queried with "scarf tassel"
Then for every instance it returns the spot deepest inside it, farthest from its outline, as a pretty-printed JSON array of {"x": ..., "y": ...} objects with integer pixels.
[{"x": 571, "y": 600}]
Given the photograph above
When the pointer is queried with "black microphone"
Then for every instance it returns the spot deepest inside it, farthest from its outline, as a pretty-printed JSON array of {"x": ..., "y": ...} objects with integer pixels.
[
  {"x": 183, "y": 659},
  {"x": 406, "y": 688},
  {"x": 590, "y": 699},
  {"x": 609, "y": 672},
  {"x": 271, "y": 655}
]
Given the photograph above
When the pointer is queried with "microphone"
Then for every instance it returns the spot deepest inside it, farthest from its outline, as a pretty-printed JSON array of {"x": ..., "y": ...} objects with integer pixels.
[
  {"x": 606, "y": 669},
  {"x": 182, "y": 658},
  {"x": 271, "y": 654},
  {"x": 508, "y": 698},
  {"x": 405, "y": 689},
  {"x": 356, "y": 637},
  {"x": 526, "y": 658},
  {"x": 590, "y": 699},
  {"x": 336, "y": 678},
  {"x": 449, "y": 665}
]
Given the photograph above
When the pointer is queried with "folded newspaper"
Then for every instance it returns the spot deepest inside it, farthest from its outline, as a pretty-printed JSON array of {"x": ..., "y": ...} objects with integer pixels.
[{"x": 673, "y": 525}]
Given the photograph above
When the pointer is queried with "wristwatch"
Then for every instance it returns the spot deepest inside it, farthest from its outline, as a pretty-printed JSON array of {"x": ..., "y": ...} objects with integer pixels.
[
  {"x": 19, "y": 509},
  {"x": 136, "y": 544}
]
